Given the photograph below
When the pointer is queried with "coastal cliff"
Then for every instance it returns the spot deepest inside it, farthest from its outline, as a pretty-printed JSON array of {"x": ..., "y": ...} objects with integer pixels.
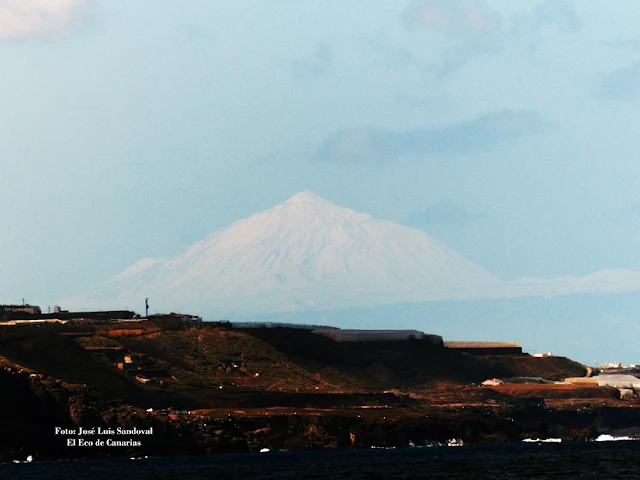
[{"x": 211, "y": 389}]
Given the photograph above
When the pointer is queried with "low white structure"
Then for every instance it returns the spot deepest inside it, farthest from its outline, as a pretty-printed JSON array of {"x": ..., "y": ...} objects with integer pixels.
[
  {"x": 492, "y": 382},
  {"x": 190, "y": 318},
  {"x": 618, "y": 381},
  {"x": 32, "y": 322},
  {"x": 611, "y": 365},
  {"x": 626, "y": 393}
]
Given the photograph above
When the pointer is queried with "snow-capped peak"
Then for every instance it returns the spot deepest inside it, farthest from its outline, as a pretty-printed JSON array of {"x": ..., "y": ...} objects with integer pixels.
[
  {"x": 306, "y": 253},
  {"x": 306, "y": 197},
  {"x": 306, "y": 204}
]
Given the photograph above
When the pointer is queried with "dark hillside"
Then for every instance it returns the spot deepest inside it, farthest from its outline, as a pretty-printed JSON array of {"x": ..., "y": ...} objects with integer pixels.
[
  {"x": 210, "y": 356},
  {"x": 295, "y": 360},
  {"x": 549, "y": 368},
  {"x": 210, "y": 366},
  {"x": 208, "y": 389},
  {"x": 402, "y": 364},
  {"x": 43, "y": 350}
]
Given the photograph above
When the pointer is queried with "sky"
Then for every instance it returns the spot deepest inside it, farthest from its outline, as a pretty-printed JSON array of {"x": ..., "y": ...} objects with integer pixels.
[{"x": 507, "y": 130}]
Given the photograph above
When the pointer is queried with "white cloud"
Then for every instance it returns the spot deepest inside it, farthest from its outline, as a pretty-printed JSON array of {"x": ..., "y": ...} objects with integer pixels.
[
  {"x": 550, "y": 13},
  {"x": 478, "y": 29},
  {"x": 475, "y": 26},
  {"x": 466, "y": 18},
  {"x": 472, "y": 21},
  {"x": 22, "y": 19}
]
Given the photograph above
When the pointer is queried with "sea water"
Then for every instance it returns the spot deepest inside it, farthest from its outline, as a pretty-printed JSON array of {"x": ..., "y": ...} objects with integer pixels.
[{"x": 570, "y": 460}]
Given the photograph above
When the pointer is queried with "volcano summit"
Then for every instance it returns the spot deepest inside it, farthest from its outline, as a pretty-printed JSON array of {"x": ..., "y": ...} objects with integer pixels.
[{"x": 304, "y": 254}]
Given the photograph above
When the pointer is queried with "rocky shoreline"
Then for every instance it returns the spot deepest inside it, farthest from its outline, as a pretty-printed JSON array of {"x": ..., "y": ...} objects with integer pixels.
[
  {"x": 476, "y": 415},
  {"x": 68, "y": 392}
]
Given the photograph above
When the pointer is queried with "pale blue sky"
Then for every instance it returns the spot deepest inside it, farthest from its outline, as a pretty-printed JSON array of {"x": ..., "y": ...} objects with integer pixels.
[{"x": 508, "y": 130}]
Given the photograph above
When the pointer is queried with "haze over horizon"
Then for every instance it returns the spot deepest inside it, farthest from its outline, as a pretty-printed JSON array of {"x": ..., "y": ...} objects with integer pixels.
[{"x": 505, "y": 130}]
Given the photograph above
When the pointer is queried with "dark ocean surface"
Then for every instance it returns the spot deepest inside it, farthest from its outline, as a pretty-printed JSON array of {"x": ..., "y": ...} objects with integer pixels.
[{"x": 571, "y": 460}]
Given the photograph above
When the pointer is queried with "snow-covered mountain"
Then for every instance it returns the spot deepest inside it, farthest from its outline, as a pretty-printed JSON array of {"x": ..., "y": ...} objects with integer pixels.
[{"x": 305, "y": 254}]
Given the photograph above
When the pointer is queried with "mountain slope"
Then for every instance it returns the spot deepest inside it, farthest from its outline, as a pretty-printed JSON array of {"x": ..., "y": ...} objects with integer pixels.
[{"x": 306, "y": 253}]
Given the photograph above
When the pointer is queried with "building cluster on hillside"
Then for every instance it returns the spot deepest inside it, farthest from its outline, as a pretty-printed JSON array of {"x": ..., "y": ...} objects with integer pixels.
[
  {"x": 24, "y": 308},
  {"x": 183, "y": 317},
  {"x": 32, "y": 314}
]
